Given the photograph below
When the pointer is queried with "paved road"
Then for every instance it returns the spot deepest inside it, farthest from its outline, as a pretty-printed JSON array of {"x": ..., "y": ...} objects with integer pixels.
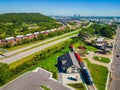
[
  {"x": 115, "y": 66},
  {"x": 31, "y": 51},
  {"x": 42, "y": 42},
  {"x": 34, "y": 81}
]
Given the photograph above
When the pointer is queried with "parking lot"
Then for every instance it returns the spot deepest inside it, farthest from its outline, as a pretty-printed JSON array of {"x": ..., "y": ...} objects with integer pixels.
[
  {"x": 65, "y": 78},
  {"x": 34, "y": 80}
]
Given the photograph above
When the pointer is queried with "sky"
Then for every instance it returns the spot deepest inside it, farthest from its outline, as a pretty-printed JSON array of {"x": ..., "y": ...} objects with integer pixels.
[{"x": 62, "y": 7}]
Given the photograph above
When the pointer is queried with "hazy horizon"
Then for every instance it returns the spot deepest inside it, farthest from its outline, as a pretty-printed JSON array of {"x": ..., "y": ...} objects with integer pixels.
[{"x": 62, "y": 7}]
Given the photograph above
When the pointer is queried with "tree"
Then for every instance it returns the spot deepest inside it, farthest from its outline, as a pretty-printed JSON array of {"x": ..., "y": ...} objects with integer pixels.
[
  {"x": 4, "y": 73},
  {"x": 93, "y": 42},
  {"x": 83, "y": 34},
  {"x": 7, "y": 45},
  {"x": 41, "y": 37},
  {"x": 106, "y": 31}
]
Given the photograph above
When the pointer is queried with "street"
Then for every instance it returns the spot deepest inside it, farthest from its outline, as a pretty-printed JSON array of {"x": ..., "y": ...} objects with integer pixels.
[
  {"x": 115, "y": 66},
  {"x": 31, "y": 51}
]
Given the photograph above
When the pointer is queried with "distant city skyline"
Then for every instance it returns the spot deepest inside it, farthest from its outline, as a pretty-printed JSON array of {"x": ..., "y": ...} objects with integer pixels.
[{"x": 62, "y": 7}]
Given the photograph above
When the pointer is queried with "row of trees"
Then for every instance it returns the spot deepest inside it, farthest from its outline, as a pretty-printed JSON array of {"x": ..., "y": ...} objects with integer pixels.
[
  {"x": 25, "y": 17},
  {"x": 7, "y": 74}
]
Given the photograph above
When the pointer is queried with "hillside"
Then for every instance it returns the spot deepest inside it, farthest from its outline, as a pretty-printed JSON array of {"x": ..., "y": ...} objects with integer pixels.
[{"x": 13, "y": 24}]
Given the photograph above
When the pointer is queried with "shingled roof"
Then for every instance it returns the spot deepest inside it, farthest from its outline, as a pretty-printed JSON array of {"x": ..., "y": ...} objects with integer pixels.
[{"x": 68, "y": 59}]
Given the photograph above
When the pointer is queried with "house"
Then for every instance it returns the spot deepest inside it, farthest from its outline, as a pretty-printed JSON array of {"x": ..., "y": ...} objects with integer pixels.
[
  {"x": 53, "y": 29},
  {"x": 10, "y": 40},
  {"x": 47, "y": 32},
  {"x": 18, "y": 38},
  {"x": 100, "y": 40},
  {"x": 68, "y": 63},
  {"x": 42, "y": 32},
  {"x": 36, "y": 34},
  {"x": 29, "y": 36},
  {"x": 107, "y": 47}
]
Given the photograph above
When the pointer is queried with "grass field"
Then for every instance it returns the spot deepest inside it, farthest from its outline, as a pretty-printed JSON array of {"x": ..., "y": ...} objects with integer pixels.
[
  {"x": 78, "y": 86},
  {"x": 50, "y": 62},
  {"x": 15, "y": 64},
  {"x": 91, "y": 48},
  {"x": 101, "y": 59},
  {"x": 99, "y": 74},
  {"x": 88, "y": 48}
]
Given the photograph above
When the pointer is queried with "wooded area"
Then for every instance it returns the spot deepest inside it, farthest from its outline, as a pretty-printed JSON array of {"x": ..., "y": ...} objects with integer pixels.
[
  {"x": 100, "y": 30},
  {"x": 13, "y": 24}
]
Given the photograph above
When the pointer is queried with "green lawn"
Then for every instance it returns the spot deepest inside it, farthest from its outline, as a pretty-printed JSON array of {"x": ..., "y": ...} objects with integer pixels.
[
  {"x": 91, "y": 48},
  {"x": 50, "y": 62},
  {"x": 17, "y": 63},
  {"x": 101, "y": 59},
  {"x": 99, "y": 74},
  {"x": 88, "y": 48},
  {"x": 78, "y": 86},
  {"x": 79, "y": 43}
]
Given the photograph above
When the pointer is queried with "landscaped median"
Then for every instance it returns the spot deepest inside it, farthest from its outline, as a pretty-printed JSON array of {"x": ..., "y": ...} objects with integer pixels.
[
  {"x": 45, "y": 87},
  {"x": 78, "y": 86},
  {"x": 101, "y": 59}
]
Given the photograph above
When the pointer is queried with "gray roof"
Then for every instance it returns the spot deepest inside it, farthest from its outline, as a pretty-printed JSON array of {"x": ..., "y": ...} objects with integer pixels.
[
  {"x": 69, "y": 59},
  {"x": 74, "y": 60},
  {"x": 9, "y": 38},
  {"x": 100, "y": 39}
]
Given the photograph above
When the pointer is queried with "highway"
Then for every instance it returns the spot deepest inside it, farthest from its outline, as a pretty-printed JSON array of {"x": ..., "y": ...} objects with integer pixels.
[
  {"x": 31, "y": 51},
  {"x": 115, "y": 66},
  {"x": 11, "y": 53}
]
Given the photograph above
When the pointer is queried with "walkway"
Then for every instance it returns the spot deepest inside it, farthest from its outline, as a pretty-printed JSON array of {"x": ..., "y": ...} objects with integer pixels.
[{"x": 92, "y": 54}]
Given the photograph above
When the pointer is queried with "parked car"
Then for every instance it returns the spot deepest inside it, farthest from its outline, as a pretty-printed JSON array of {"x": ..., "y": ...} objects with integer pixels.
[
  {"x": 117, "y": 55},
  {"x": 72, "y": 78}
]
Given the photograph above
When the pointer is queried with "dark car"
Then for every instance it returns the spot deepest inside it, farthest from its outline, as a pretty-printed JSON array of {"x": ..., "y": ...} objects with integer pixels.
[
  {"x": 72, "y": 78},
  {"x": 117, "y": 55}
]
